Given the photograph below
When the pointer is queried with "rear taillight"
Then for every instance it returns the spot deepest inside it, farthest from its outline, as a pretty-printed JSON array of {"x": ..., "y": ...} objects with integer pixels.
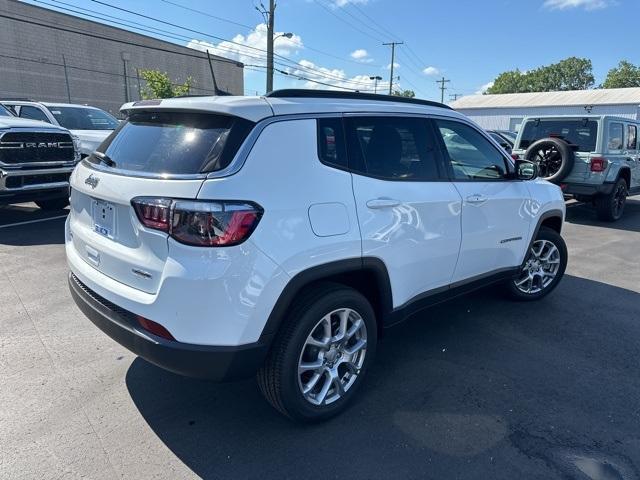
[
  {"x": 204, "y": 224},
  {"x": 515, "y": 156},
  {"x": 599, "y": 164}
]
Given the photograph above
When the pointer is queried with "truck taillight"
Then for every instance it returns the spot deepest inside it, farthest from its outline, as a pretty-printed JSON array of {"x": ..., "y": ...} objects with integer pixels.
[
  {"x": 203, "y": 224},
  {"x": 599, "y": 164}
]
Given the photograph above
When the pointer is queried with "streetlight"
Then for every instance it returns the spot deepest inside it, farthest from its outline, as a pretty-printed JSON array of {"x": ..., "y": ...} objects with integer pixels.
[
  {"x": 270, "y": 54},
  {"x": 287, "y": 35},
  {"x": 375, "y": 85}
]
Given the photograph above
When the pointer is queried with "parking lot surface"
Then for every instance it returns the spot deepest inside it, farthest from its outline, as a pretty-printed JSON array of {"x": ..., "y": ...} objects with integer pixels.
[{"x": 479, "y": 387}]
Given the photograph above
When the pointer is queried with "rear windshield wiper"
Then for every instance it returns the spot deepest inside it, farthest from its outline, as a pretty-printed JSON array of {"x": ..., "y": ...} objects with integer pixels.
[{"x": 105, "y": 159}]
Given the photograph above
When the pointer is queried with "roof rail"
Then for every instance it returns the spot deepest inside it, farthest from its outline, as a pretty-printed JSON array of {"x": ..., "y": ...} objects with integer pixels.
[
  {"x": 308, "y": 93},
  {"x": 16, "y": 99}
]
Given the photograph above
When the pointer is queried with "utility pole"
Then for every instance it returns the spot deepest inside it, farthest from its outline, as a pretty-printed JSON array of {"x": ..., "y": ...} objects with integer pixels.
[
  {"x": 393, "y": 58},
  {"x": 442, "y": 88},
  {"x": 270, "y": 25},
  {"x": 66, "y": 78},
  {"x": 455, "y": 96}
]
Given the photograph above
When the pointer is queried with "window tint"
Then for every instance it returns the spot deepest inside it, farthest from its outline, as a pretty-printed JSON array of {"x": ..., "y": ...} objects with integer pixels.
[
  {"x": 4, "y": 112},
  {"x": 331, "y": 148},
  {"x": 615, "y": 136},
  {"x": 175, "y": 143},
  {"x": 471, "y": 155},
  {"x": 392, "y": 148},
  {"x": 33, "y": 113},
  {"x": 582, "y": 133},
  {"x": 632, "y": 137},
  {"x": 79, "y": 118}
]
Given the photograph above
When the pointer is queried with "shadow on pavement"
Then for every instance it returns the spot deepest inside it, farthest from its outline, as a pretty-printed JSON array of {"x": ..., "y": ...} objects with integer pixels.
[
  {"x": 585, "y": 214},
  {"x": 477, "y": 388},
  {"x": 27, "y": 225}
]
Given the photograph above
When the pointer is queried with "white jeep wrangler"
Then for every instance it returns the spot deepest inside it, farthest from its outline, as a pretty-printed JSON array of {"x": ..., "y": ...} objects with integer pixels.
[{"x": 227, "y": 236}]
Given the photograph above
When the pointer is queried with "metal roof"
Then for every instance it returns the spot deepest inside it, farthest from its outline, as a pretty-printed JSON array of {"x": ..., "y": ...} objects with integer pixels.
[{"x": 611, "y": 96}]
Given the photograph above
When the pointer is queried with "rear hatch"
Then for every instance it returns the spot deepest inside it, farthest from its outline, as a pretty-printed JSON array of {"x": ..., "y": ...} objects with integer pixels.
[
  {"x": 580, "y": 133},
  {"x": 152, "y": 154}
]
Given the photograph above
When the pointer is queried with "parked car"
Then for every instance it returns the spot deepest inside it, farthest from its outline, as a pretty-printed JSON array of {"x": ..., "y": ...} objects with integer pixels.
[
  {"x": 220, "y": 237},
  {"x": 593, "y": 158},
  {"x": 36, "y": 160},
  {"x": 90, "y": 124},
  {"x": 505, "y": 138}
]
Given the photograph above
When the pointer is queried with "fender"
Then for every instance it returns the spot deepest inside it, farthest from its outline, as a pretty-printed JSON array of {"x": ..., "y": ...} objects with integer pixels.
[
  {"x": 334, "y": 271},
  {"x": 553, "y": 213}
]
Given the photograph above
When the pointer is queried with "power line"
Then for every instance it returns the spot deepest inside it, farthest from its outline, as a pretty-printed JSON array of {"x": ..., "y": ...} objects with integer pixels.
[
  {"x": 387, "y": 32},
  {"x": 207, "y": 14},
  {"x": 327, "y": 9}
]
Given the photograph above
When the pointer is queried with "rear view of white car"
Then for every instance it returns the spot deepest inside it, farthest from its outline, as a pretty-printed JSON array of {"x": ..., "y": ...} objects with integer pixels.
[{"x": 227, "y": 236}]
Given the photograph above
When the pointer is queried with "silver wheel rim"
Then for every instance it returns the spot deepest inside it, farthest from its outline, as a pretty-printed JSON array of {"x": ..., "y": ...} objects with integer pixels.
[
  {"x": 332, "y": 356},
  {"x": 540, "y": 269}
]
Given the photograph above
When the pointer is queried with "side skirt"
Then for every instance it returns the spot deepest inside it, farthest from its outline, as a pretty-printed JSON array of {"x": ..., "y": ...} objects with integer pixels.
[{"x": 443, "y": 294}]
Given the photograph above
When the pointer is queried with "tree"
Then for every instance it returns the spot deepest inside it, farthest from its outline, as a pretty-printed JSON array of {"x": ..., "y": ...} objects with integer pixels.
[
  {"x": 625, "y": 75},
  {"x": 569, "y": 74},
  {"x": 159, "y": 85},
  {"x": 404, "y": 93}
]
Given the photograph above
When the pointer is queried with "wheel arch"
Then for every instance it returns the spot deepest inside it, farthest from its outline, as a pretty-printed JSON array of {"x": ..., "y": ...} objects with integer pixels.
[
  {"x": 552, "y": 219},
  {"x": 625, "y": 172},
  {"x": 368, "y": 275}
]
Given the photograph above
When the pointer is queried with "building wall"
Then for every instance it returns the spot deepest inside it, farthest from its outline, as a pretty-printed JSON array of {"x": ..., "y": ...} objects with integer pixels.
[
  {"x": 508, "y": 118},
  {"x": 35, "y": 68}
]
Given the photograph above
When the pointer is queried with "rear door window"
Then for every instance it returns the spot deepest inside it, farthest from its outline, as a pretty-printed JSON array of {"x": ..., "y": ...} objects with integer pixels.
[
  {"x": 33, "y": 113},
  {"x": 582, "y": 133},
  {"x": 174, "y": 142},
  {"x": 616, "y": 140},
  {"x": 393, "y": 148},
  {"x": 632, "y": 137}
]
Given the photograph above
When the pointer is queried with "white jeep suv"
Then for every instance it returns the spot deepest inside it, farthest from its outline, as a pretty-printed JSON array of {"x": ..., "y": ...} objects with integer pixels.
[{"x": 219, "y": 237}]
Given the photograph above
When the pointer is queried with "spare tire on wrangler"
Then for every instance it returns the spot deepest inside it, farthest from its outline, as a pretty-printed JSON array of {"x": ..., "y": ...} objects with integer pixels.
[{"x": 553, "y": 156}]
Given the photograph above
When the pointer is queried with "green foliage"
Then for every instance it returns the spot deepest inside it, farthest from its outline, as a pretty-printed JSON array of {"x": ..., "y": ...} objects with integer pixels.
[
  {"x": 569, "y": 74},
  {"x": 404, "y": 93},
  {"x": 159, "y": 85},
  {"x": 625, "y": 75}
]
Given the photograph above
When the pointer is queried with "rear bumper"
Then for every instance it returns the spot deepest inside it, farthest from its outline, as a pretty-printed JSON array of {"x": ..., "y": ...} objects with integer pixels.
[
  {"x": 219, "y": 363},
  {"x": 586, "y": 188}
]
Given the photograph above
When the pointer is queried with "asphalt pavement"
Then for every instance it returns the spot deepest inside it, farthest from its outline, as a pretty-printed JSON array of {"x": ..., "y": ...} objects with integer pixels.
[{"x": 477, "y": 388}]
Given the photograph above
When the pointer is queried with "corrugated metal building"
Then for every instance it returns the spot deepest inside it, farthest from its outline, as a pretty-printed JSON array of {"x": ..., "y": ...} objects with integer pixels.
[
  {"x": 51, "y": 56},
  {"x": 505, "y": 112}
]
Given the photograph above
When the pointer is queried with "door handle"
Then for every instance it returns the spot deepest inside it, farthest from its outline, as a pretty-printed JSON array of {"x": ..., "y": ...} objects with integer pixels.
[
  {"x": 476, "y": 198},
  {"x": 383, "y": 203}
]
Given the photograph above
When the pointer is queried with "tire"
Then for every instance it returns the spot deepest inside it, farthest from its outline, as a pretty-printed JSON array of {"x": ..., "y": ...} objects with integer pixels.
[
  {"x": 53, "y": 204},
  {"x": 553, "y": 156},
  {"x": 546, "y": 238},
  {"x": 611, "y": 207},
  {"x": 279, "y": 378}
]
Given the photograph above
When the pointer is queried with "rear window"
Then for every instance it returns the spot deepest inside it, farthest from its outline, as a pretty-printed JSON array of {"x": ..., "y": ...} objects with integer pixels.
[
  {"x": 79, "y": 118},
  {"x": 174, "y": 142},
  {"x": 582, "y": 133}
]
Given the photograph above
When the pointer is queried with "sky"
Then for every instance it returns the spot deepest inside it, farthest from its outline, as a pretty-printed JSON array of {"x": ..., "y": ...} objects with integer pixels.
[{"x": 338, "y": 43}]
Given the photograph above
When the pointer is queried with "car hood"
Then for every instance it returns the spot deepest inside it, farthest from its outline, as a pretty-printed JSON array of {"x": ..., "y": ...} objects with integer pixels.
[
  {"x": 11, "y": 122},
  {"x": 90, "y": 139}
]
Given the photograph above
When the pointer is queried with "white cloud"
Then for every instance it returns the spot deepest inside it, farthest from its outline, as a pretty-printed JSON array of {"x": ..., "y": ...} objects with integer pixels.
[
  {"x": 361, "y": 55},
  {"x": 431, "y": 71},
  {"x": 343, "y": 3},
  {"x": 484, "y": 88},
  {"x": 396, "y": 65},
  {"x": 586, "y": 4},
  {"x": 334, "y": 78},
  {"x": 243, "y": 47}
]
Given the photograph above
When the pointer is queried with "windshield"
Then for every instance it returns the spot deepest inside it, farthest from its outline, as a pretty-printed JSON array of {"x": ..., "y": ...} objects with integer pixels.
[
  {"x": 4, "y": 112},
  {"x": 579, "y": 132},
  {"x": 173, "y": 142},
  {"x": 79, "y": 118}
]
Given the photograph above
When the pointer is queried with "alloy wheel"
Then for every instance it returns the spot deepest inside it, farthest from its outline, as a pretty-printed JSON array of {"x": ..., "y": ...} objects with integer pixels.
[
  {"x": 549, "y": 160},
  {"x": 540, "y": 269},
  {"x": 332, "y": 356}
]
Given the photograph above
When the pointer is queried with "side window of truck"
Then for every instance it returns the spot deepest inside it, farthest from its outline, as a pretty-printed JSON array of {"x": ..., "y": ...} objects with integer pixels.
[
  {"x": 615, "y": 142},
  {"x": 632, "y": 137}
]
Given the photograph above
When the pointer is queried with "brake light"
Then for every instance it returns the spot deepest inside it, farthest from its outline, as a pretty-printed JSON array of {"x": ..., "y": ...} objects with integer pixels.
[
  {"x": 204, "y": 224},
  {"x": 515, "y": 156},
  {"x": 153, "y": 212},
  {"x": 599, "y": 164}
]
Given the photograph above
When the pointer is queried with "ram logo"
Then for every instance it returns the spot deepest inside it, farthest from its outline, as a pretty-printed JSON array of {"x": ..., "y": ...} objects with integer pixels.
[{"x": 92, "y": 181}]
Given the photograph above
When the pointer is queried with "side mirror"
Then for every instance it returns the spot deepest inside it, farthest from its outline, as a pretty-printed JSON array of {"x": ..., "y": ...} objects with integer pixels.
[{"x": 526, "y": 170}]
